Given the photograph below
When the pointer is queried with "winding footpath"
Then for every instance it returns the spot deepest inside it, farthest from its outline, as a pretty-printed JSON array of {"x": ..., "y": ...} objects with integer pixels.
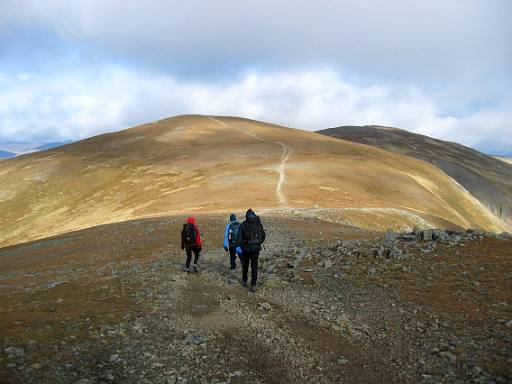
[
  {"x": 235, "y": 128},
  {"x": 287, "y": 151},
  {"x": 281, "y": 168}
]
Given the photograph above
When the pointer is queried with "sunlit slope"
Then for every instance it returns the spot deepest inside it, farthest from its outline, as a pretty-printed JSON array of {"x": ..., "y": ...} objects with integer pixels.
[
  {"x": 208, "y": 164},
  {"x": 507, "y": 160},
  {"x": 488, "y": 179}
]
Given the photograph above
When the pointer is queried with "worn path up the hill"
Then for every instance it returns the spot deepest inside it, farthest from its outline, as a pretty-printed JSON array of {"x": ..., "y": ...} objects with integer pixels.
[
  {"x": 281, "y": 168},
  {"x": 245, "y": 132},
  {"x": 287, "y": 151}
]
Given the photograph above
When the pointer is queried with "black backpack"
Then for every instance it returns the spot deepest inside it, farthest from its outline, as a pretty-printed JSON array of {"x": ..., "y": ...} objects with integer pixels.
[
  {"x": 189, "y": 234},
  {"x": 254, "y": 234},
  {"x": 233, "y": 233}
]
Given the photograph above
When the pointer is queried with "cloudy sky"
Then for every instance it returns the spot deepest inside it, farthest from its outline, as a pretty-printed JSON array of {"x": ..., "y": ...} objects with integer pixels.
[{"x": 72, "y": 69}]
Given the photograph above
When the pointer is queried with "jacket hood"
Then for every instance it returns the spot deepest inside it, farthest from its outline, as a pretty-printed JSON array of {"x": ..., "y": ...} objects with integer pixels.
[
  {"x": 251, "y": 216},
  {"x": 232, "y": 217},
  {"x": 191, "y": 220}
]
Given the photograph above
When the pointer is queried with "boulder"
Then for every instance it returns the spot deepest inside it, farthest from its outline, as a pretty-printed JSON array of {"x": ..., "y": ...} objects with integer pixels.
[{"x": 426, "y": 235}]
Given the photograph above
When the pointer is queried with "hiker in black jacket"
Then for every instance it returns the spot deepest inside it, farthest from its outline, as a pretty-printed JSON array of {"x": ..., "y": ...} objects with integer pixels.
[{"x": 250, "y": 237}]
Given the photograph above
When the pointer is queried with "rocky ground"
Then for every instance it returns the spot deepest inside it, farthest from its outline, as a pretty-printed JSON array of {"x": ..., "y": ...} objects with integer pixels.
[{"x": 112, "y": 304}]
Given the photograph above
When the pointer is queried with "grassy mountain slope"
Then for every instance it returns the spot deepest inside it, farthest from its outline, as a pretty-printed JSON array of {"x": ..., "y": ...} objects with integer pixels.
[
  {"x": 485, "y": 177},
  {"x": 196, "y": 163}
]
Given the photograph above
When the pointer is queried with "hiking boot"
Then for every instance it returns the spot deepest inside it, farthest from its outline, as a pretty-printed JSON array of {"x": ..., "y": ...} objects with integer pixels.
[
  {"x": 253, "y": 288},
  {"x": 244, "y": 283},
  {"x": 194, "y": 268},
  {"x": 187, "y": 270}
]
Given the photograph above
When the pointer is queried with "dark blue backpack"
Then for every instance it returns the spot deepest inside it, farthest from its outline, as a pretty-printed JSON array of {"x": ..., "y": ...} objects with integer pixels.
[{"x": 233, "y": 233}]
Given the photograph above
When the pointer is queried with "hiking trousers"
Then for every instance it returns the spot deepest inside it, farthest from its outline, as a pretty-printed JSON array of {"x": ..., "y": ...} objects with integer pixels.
[
  {"x": 189, "y": 251},
  {"x": 250, "y": 258},
  {"x": 232, "y": 257}
]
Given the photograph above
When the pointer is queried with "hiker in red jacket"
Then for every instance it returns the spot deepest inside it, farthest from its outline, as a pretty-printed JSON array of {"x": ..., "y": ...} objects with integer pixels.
[{"x": 191, "y": 242}]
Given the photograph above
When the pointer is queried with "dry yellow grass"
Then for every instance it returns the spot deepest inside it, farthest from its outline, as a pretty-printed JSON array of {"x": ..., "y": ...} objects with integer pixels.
[{"x": 196, "y": 163}]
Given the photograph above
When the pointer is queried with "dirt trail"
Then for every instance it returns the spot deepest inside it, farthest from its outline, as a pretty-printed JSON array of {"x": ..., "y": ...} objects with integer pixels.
[
  {"x": 267, "y": 335},
  {"x": 235, "y": 128},
  {"x": 287, "y": 151}
]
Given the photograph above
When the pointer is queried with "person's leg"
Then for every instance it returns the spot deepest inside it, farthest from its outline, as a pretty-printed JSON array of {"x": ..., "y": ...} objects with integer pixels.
[
  {"x": 254, "y": 267},
  {"x": 232, "y": 257},
  {"x": 241, "y": 257},
  {"x": 189, "y": 257},
  {"x": 196, "y": 257},
  {"x": 196, "y": 254},
  {"x": 245, "y": 267}
]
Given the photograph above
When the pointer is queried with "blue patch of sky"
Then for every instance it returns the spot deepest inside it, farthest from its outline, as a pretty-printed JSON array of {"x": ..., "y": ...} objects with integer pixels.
[
  {"x": 460, "y": 110},
  {"x": 42, "y": 51}
]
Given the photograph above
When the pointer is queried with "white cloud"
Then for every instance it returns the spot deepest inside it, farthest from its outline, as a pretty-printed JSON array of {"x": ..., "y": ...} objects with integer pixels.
[
  {"x": 395, "y": 38},
  {"x": 436, "y": 67},
  {"x": 79, "y": 104}
]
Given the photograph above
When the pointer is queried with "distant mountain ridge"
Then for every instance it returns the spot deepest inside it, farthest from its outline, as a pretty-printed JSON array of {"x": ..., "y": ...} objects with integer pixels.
[
  {"x": 485, "y": 177},
  {"x": 6, "y": 154},
  {"x": 51, "y": 145},
  {"x": 16, "y": 148}
]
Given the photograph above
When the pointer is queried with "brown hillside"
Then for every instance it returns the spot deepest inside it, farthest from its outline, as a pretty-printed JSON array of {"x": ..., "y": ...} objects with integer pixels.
[
  {"x": 214, "y": 164},
  {"x": 485, "y": 177}
]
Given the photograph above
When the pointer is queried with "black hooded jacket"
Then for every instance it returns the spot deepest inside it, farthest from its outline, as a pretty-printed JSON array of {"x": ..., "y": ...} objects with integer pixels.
[{"x": 246, "y": 234}]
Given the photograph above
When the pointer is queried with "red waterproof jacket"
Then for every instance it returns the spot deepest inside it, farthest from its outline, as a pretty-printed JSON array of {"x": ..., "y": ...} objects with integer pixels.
[{"x": 192, "y": 220}]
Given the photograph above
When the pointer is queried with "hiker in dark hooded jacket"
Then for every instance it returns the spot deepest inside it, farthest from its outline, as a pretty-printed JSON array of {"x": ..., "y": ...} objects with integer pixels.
[
  {"x": 191, "y": 242},
  {"x": 231, "y": 240},
  {"x": 251, "y": 235}
]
